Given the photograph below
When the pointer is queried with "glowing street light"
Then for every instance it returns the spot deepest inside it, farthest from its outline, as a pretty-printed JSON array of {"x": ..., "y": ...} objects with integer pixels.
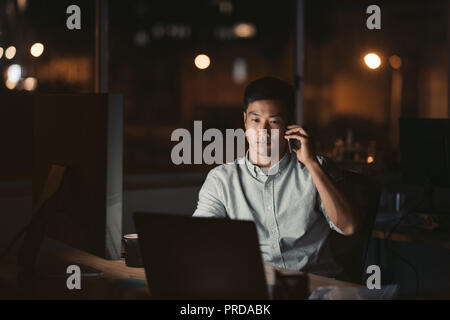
[
  {"x": 202, "y": 61},
  {"x": 10, "y": 52},
  {"x": 37, "y": 49},
  {"x": 372, "y": 60}
]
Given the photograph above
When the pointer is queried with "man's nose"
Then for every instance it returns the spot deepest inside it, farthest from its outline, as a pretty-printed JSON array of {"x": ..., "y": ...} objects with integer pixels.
[
  {"x": 265, "y": 126},
  {"x": 264, "y": 131}
]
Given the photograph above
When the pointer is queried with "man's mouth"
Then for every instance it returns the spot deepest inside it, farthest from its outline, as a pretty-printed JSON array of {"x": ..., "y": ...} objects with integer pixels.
[{"x": 264, "y": 140}]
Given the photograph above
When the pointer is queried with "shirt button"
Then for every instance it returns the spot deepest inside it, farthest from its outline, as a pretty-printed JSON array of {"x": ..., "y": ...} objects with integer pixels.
[
  {"x": 274, "y": 231},
  {"x": 274, "y": 246},
  {"x": 269, "y": 207}
]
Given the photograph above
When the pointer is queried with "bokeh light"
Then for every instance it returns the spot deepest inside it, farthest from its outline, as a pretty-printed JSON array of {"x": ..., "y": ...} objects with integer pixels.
[
  {"x": 14, "y": 73},
  {"x": 202, "y": 61},
  {"x": 244, "y": 30},
  {"x": 372, "y": 60},
  {"x": 395, "y": 61},
  {"x": 10, "y": 52},
  {"x": 10, "y": 85},
  {"x": 30, "y": 84},
  {"x": 37, "y": 49}
]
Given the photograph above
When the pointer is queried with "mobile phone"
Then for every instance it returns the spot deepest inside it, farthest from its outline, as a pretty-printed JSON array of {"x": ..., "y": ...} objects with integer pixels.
[{"x": 293, "y": 144}]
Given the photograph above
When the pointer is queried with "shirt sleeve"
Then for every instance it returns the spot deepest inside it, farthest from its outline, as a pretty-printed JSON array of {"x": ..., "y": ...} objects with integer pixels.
[
  {"x": 337, "y": 176},
  {"x": 209, "y": 203}
]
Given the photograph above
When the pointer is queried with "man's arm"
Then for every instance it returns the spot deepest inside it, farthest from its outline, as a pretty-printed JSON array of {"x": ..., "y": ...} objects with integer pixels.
[
  {"x": 338, "y": 209},
  {"x": 209, "y": 203}
]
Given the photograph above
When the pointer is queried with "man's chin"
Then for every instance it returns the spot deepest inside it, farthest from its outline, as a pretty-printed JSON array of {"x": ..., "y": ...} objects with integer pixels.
[
  {"x": 264, "y": 153},
  {"x": 260, "y": 152}
]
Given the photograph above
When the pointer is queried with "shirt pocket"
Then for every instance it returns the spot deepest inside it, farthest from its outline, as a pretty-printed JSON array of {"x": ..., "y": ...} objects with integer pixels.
[{"x": 302, "y": 212}]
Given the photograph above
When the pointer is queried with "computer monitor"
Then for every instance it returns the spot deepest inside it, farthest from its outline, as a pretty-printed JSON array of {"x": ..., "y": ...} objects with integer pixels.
[
  {"x": 425, "y": 155},
  {"x": 200, "y": 258},
  {"x": 84, "y": 134}
]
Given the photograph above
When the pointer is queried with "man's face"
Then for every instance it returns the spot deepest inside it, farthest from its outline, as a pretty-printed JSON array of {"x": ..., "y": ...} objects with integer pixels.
[{"x": 260, "y": 119}]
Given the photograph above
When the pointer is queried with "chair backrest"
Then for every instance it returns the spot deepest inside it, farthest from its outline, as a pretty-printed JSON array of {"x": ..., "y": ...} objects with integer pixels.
[{"x": 350, "y": 252}]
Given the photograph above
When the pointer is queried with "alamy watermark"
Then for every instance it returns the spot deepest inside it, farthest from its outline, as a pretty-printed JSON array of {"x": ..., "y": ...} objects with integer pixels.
[
  {"x": 74, "y": 279},
  {"x": 264, "y": 142},
  {"x": 74, "y": 20},
  {"x": 374, "y": 280},
  {"x": 374, "y": 20}
]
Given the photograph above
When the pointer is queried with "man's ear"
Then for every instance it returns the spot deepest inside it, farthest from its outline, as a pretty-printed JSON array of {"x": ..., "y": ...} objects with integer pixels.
[{"x": 245, "y": 117}]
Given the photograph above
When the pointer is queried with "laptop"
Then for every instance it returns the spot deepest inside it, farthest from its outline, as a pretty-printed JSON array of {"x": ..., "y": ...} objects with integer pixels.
[{"x": 200, "y": 258}]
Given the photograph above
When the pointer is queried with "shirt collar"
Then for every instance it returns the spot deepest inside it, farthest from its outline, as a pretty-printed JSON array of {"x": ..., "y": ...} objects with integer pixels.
[{"x": 255, "y": 170}]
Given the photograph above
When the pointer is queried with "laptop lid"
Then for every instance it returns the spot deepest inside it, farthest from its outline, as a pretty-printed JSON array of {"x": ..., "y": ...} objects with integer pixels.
[{"x": 200, "y": 258}]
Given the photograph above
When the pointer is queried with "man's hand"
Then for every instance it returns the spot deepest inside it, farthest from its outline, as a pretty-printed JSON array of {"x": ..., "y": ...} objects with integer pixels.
[
  {"x": 303, "y": 147},
  {"x": 337, "y": 207}
]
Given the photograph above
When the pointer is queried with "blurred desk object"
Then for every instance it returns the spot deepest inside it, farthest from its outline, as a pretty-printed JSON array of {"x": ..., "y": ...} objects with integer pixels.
[
  {"x": 351, "y": 155},
  {"x": 117, "y": 281},
  {"x": 413, "y": 254},
  {"x": 432, "y": 233},
  {"x": 357, "y": 166}
]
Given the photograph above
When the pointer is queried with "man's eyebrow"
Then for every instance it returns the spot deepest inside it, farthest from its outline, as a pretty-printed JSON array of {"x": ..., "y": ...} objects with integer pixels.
[{"x": 275, "y": 115}]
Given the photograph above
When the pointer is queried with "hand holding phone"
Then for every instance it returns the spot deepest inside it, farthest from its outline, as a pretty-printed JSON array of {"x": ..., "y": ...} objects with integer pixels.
[
  {"x": 293, "y": 145},
  {"x": 299, "y": 142}
]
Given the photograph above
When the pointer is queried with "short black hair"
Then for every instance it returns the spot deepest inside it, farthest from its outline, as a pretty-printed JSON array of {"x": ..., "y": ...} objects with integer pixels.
[{"x": 270, "y": 88}]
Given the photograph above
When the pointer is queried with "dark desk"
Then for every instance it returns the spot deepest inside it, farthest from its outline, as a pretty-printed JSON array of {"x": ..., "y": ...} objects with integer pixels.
[
  {"x": 117, "y": 282},
  {"x": 402, "y": 253}
]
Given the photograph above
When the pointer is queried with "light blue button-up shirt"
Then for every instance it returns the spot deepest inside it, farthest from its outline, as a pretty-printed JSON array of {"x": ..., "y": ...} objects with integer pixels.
[{"x": 284, "y": 204}]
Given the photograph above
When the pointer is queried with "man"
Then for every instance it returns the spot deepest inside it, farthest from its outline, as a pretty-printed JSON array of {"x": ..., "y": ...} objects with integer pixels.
[{"x": 294, "y": 201}]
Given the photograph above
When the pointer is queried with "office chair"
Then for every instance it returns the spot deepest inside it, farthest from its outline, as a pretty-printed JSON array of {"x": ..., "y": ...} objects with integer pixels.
[{"x": 350, "y": 252}]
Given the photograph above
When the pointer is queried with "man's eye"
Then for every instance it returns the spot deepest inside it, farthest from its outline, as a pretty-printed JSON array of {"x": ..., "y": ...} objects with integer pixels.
[
  {"x": 255, "y": 120},
  {"x": 274, "y": 121}
]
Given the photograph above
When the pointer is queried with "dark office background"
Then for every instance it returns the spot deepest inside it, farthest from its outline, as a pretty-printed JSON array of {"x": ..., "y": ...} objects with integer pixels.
[{"x": 152, "y": 47}]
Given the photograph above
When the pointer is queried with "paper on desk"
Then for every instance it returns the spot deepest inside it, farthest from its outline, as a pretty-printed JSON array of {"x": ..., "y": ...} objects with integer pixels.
[{"x": 388, "y": 292}]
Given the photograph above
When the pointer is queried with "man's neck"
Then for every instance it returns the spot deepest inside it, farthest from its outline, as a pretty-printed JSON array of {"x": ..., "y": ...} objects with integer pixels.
[{"x": 265, "y": 161}]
